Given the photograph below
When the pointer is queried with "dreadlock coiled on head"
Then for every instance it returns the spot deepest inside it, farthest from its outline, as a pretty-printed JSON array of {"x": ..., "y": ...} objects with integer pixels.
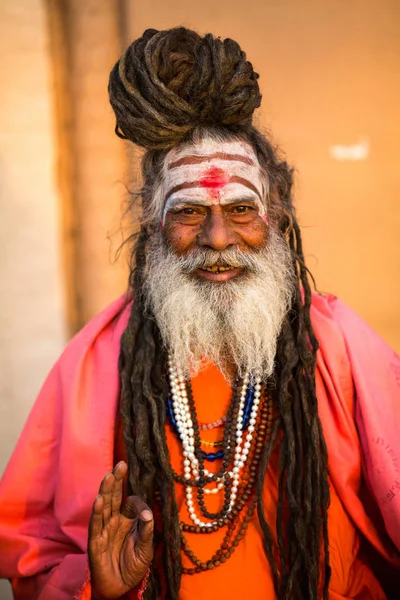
[
  {"x": 168, "y": 80},
  {"x": 174, "y": 87}
]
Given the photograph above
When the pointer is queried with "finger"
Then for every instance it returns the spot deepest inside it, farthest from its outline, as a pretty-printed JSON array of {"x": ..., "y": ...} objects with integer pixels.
[
  {"x": 136, "y": 508},
  {"x": 106, "y": 489},
  {"x": 96, "y": 519},
  {"x": 119, "y": 473}
]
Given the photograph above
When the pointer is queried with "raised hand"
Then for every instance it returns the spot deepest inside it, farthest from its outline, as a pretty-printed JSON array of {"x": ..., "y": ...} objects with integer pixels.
[{"x": 120, "y": 546}]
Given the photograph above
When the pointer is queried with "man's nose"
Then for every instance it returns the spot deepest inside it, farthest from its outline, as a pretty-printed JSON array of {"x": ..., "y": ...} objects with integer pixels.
[{"x": 216, "y": 232}]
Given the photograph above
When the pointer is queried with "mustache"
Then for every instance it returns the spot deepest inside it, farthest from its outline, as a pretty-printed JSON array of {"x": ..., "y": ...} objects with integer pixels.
[{"x": 199, "y": 258}]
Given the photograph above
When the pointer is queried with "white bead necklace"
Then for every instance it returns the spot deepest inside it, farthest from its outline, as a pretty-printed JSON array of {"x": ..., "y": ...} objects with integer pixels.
[{"x": 184, "y": 425}]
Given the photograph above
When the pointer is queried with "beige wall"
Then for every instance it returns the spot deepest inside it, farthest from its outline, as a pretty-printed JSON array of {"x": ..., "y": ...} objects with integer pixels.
[
  {"x": 85, "y": 42},
  {"x": 99, "y": 157},
  {"x": 32, "y": 331}
]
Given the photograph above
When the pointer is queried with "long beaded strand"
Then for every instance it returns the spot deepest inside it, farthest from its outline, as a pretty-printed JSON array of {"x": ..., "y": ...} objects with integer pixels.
[
  {"x": 232, "y": 539},
  {"x": 241, "y": 456}
]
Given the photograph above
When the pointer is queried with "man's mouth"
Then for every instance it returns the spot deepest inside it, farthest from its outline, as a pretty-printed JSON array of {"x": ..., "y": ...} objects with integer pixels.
[
  {"x": 219, "y": 272},
  {"x": 217, "y": 269}
]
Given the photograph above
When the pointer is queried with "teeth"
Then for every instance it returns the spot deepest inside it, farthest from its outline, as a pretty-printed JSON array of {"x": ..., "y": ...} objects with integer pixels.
[{"x": 216, "y": 269}]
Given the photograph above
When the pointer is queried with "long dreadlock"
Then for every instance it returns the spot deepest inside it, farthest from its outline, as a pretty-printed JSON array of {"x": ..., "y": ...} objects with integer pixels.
[{"x": 169, "y": 88}]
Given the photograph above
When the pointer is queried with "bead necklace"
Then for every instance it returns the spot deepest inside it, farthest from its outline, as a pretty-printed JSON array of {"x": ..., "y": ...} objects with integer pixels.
[
  {"x": 236, "y": 528},
  {"x": 212, "y": 444},
  {"x": 185, "y": 416},
  {"x": 185, "y": 426},
  {"x": 237, "y": 475},
  {"x": 245, "y": 413},
  {"x": 218, "y": 423}
]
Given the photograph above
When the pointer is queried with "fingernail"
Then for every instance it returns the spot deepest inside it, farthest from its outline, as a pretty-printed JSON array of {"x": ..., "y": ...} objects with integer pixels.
[{"x": 147, "y": 515}]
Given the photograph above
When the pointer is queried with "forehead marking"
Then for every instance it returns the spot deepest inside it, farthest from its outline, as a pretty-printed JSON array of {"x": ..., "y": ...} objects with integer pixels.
[
  {"x": 210, "y": 168},
  {"x": 246, "y": 182},
  {"x": 199, "y": 184},
  {"x": 213, "y": 180},
  {"x": 195, "y": 159}
]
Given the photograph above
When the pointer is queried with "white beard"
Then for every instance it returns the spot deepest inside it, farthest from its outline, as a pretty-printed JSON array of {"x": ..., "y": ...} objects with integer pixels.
[{"x": 235, "y": 321}]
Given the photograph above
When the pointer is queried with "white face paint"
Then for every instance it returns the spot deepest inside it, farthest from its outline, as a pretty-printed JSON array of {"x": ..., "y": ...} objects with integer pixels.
[{"x": 213, "y": 172}]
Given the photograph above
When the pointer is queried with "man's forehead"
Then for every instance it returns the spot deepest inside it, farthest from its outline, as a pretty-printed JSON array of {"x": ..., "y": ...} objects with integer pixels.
[{"x": 209, "y": 149}]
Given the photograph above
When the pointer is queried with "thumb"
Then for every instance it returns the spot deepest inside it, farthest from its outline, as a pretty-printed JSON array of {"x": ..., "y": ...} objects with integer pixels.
[
  {"x": 137, "y": 508},
  {"x": 145, "y": 532}
]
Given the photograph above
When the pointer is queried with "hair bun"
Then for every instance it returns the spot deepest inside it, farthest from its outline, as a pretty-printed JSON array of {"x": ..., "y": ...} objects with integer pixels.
[{"x": 169, "y": 82}]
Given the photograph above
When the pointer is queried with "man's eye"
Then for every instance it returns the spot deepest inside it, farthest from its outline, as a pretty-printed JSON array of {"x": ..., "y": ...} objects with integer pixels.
[
  {"x": 241, "y": 209},
  {"x": 186, "y": 210}
]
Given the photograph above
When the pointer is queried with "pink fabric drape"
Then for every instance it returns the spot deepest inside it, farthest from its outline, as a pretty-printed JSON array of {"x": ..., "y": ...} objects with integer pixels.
[{"x": 351, "y": 352}]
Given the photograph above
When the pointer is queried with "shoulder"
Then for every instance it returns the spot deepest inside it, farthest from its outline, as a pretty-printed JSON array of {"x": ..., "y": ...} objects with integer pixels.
[
  {"x": 92, "y": 354},
  {"x": 328, "y": 314},
  {"x": 333, "y": 318},
  {"x": 101, "y": 334},
  {"x": 82, "y": 389},
  {"x": 347, "y": 343},
  {"x": 330, "y": 307}
]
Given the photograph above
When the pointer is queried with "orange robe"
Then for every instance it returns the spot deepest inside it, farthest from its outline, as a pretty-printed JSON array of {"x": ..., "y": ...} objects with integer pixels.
[
  {"x": 68, "y": 444},
  {"x": 247, "y": 574}
]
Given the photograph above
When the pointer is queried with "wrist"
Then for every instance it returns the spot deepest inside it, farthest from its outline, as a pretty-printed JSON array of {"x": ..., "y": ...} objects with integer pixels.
[{"x": 136, "y": 592}]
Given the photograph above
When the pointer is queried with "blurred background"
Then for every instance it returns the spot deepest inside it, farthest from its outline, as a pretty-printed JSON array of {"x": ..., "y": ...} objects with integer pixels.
[{"x": 331, "y": 95}]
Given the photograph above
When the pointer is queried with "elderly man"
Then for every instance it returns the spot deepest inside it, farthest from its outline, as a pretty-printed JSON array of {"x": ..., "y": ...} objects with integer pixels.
[{"x": 257, "y": 423}]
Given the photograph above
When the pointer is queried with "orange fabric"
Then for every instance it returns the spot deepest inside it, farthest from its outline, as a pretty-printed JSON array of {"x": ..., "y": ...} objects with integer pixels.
[{"x": 247, "y": 573}]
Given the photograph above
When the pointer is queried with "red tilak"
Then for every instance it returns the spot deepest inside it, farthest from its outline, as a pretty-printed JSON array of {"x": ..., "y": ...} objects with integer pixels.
[{"x": 214, "y": 179}]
